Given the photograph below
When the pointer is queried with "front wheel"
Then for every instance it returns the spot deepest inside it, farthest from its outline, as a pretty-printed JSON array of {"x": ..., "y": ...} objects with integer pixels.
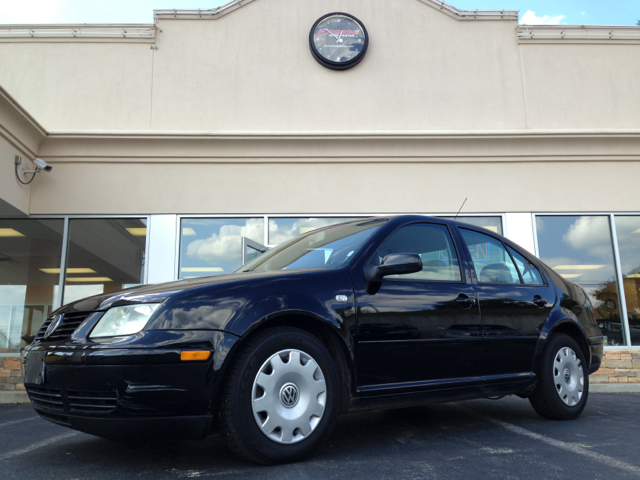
[
  {"x": 281, "y": 397},
  {"x": 563, "y": 380}
]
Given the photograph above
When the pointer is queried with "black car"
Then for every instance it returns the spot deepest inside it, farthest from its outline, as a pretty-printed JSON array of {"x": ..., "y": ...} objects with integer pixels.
[{"x": 370, "y": 313}]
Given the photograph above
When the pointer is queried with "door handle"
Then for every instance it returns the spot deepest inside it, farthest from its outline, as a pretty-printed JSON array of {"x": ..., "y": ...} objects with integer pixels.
[
  {"x": 539, "y": 301},
  {"x": 465, "y": 301}
]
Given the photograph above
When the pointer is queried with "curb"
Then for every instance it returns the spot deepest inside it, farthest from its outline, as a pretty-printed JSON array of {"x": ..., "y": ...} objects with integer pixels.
[
  {"x": 14, "y": 397},
  {"x": 614, "y": 388}
]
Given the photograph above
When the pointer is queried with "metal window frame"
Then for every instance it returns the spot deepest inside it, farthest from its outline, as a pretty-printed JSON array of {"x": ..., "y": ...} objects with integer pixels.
[
  {"x": 266, "y": 218},
  {"x": 622, "y": 299}
]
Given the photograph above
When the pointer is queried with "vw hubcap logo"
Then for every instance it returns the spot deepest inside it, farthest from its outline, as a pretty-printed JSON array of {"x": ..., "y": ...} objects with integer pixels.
[
  {"x": 567, "y": 375},
  {"x": 289, "y": 395},
  {"x": 55, "y": 323}
]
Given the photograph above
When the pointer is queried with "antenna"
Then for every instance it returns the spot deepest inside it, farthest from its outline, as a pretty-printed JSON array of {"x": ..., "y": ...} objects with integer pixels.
[{"x": 465, "y": 201}]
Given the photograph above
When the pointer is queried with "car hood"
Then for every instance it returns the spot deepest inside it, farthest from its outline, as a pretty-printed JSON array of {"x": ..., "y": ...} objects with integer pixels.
[{"x": 156, "y": 293}]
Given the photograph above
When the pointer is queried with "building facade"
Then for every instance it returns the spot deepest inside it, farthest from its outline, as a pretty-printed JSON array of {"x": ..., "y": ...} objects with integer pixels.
[{"x": 184, "y": 147}]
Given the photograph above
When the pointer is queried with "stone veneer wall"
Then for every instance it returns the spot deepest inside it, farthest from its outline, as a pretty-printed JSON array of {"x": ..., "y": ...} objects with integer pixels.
[
  {"x": 10, "y": 374},
  {"x": 619, "y": 366}
]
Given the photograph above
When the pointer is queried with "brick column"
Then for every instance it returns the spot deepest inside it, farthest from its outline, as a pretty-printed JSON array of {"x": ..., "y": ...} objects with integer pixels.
[
  {"x": 619, "y": 366},
  {"x": 10, "y": 374}
]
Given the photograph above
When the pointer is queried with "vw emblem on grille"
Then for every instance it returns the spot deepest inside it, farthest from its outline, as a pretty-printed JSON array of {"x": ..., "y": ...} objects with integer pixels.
[
  {"x": 289, "y": 395},
  {"x": 55, "y": 323}
]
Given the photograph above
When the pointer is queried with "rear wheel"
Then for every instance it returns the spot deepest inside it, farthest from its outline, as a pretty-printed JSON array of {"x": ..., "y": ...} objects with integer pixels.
[
  {"x": 281, "y": 397},
  {"x": 563, "y": 380}
]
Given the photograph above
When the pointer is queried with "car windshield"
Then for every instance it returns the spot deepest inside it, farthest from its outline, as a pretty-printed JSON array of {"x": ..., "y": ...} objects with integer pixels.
[{"x": 327, "y": 248}]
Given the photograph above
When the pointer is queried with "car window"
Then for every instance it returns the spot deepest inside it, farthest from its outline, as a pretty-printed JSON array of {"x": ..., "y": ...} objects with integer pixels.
[
  {"x": 490, "y": 259},
  {"x": 434, "y": 245},
  {"x": 528, "y": 271}
]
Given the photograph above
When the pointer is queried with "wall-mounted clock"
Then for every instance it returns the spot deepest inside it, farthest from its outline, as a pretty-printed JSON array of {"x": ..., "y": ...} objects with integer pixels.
[{"x": 338, "y": 41}]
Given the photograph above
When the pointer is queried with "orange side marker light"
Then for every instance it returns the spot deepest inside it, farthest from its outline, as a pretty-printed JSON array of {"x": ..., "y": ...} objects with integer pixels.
[{"x": 196, "y": 355}]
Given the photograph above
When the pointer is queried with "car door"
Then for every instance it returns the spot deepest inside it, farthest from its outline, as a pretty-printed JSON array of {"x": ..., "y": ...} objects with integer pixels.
[
  {"x": 514, "y": 303},
  {"x": 420, "y": 330}
]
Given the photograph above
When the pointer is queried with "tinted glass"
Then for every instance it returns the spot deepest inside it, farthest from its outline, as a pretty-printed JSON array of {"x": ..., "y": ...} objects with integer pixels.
[
  {"x": 490, "y": 259},
  {"x": 213, "y": 246},
  {"x": 329, "y": 248},
  {"x": 628, "y": 233},
  {"x": 105, "y": 255},
  {"x": 529, "y": 272},
  {"x": 493, "y": 224},
  {"x": 29, "y": 275},
  {"x": 580, "y": 248},
  {"x": 434, "y": 245},
  {"x": 285, "y": 228}
]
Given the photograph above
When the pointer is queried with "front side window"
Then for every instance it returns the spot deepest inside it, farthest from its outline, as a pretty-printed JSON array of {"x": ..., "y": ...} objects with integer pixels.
[
  {"x": 329, "y": 248},
  {"x": 490, "y": 259},
  {"x": 434, "y": 245}
]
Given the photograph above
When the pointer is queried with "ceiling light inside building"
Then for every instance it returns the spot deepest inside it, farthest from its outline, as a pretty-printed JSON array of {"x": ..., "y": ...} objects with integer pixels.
[
  {"x": 493, "y": 229},
  {"x": 89, "y": 279},
  {"x": 578, "y": 267},
  {"x": 306, "y": 229},
  {"x": 632, "y": 275},
  {"x": 69, "y": 270},
  {"x": 636, "y": 231},
  {"x": 188, "y": 232},
  {"x": 571, "y": 275},
  {"x": 138, "y": 231},
  {"x": 10, "y": 232}
]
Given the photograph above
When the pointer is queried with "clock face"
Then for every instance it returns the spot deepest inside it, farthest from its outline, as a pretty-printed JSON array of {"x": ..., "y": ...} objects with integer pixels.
[{"x": 338, "y": 41}]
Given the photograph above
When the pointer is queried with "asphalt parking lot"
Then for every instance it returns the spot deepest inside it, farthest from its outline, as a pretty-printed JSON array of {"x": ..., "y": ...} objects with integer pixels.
[{"x": 468, "y": 440}]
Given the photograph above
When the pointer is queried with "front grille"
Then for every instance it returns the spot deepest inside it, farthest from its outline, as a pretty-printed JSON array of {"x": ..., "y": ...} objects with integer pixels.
[
  {"x": 47, "y": 398},
  {"x": 92, "y": 402},
  {"x": 100, "y": 402},
  {"x": 70, "y": 322}
]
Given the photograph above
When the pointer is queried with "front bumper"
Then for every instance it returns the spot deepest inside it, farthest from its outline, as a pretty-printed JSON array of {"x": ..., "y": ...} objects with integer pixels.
[{"x": 124, "y": 392}]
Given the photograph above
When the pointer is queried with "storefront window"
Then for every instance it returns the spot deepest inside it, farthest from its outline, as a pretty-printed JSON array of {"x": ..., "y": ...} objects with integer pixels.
[
  {"x": 29, "y": 273},
  {"x": 493, "y": 224},
  {"x": 580, "y": 248},
  {"x": 105, "y": 255},
  {"x": 283, "y": 229},
  {"x": 213, "y": 246},
  {"x": 628, "y": 233}
]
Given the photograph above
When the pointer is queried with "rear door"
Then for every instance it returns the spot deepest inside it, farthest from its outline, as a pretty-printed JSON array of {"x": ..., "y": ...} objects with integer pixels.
[{"x": 514, "y": 304}]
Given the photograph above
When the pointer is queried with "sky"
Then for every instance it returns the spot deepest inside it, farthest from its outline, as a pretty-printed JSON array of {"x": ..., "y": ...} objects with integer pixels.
[{"x": 562, "y": 12}]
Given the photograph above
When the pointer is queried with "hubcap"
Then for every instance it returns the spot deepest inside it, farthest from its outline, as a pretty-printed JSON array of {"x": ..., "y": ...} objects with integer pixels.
[
  {"x": 289, "y": 396},
  {"x": 568, "y": 376}
]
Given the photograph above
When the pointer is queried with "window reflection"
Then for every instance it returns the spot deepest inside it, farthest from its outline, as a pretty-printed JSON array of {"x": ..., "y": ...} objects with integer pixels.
[
  {"x": 105, "y": 255},
  {"x": 213, "y": 246},
  {"x": 29, "y": 273},
  {"x": 283, "y": 229},
  {"x": 628, "y": 233},
  {"x": 493, "y": 224},
  {"x": 580, "y": 248}
]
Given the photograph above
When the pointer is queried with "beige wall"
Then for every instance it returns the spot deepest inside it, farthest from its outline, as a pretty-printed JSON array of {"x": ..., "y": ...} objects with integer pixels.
[{"x": 337, "y": 188}]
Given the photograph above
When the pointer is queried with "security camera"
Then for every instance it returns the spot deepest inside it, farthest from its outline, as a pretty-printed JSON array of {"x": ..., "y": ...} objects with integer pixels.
[{"x": 42, "y": 165}]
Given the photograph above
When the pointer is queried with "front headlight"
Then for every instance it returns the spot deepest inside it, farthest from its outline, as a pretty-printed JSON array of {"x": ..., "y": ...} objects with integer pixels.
[{"x": 124, "y": 320}]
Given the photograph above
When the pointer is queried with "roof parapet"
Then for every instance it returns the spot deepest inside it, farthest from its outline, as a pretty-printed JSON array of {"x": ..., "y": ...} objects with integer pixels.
[
  {"x": 127, "y": 33},
  {"x": 450, "y": 10},
  {"x": 578, "y": 34}
]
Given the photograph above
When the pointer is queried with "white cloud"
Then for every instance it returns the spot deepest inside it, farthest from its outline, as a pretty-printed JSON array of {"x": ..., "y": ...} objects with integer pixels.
[
  {"x": 591, "y": 234},
  {"x": 530, "y": 18},
  {"x": 279, "y": 234},
  {"x": 226, "y": 244}
]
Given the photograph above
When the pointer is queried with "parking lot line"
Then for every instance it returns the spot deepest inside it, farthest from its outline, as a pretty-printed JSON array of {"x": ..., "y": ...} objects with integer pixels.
[
  {"x": 570, "y": 447},
  {"x": 17, "y": 421},
  {"x": 36, "y": 445}
]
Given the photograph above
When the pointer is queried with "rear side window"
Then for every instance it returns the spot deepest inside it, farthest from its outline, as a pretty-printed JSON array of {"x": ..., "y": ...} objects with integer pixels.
[
  {"x": 530, "y": 274},
  {"x": 434, "y": 245},
  {"x": 490, "y": 259}
]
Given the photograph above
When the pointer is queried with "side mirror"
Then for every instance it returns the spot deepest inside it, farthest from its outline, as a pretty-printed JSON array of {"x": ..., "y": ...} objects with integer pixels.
[{"x": 394, "y": 264}]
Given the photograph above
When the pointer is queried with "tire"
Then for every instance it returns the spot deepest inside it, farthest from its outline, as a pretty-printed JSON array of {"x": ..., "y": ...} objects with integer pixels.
[
  {"x": 281, "y": 397},
  {"x": 563, "y": 380}
]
